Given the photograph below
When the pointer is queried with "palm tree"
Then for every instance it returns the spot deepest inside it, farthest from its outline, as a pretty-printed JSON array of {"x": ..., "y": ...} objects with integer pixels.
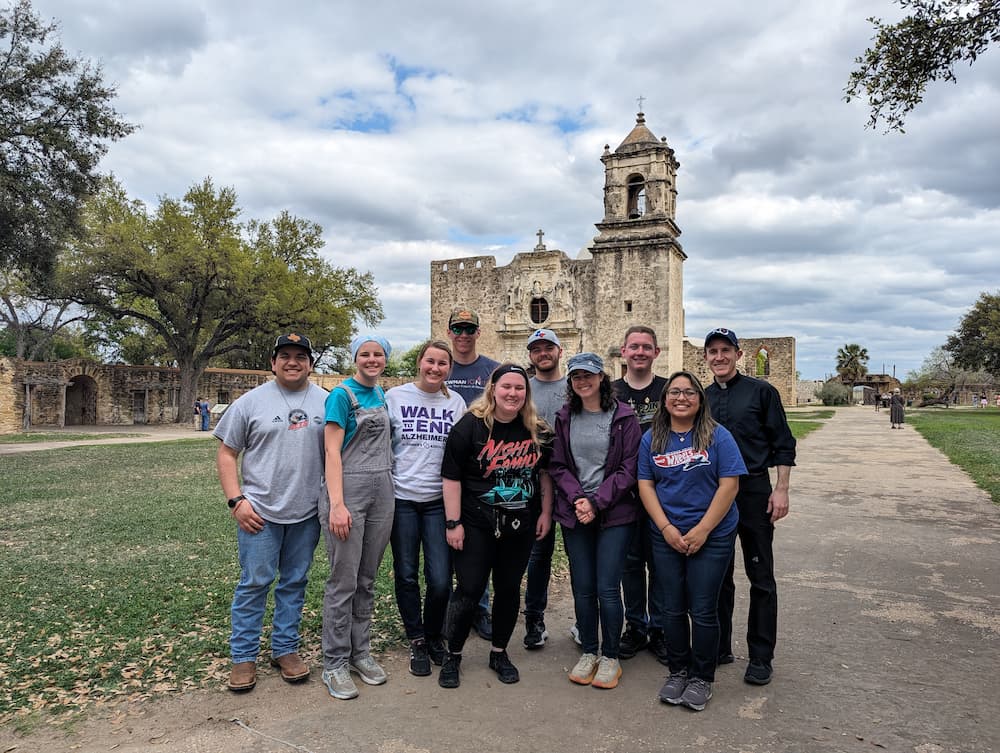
[{"x": 852, "y": 363}]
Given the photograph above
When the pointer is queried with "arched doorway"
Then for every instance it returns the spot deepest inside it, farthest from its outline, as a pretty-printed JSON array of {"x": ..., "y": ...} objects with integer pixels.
[{"x": 81, "y": 401}]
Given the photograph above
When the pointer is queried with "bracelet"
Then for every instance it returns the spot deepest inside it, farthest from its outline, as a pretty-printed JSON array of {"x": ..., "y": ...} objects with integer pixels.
[{"x": 665, "y": 526}]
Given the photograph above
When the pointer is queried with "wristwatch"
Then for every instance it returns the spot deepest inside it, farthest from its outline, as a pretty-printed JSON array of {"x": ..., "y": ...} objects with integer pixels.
[
  {"x": 452, "y": 524},
  {"x": 235, "y": 501}
]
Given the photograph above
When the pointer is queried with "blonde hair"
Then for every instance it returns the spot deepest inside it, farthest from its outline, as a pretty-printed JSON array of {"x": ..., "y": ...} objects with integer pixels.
[
  {"x": 485, "y": 405},
  {"x": 704, "y": 424},
  {"x": 437, "y": 345}
]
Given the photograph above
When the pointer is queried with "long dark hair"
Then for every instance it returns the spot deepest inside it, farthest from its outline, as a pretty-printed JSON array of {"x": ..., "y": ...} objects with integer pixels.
[
  {"x": 607, "y": 395},
  {"x": 704, "y": 424}
]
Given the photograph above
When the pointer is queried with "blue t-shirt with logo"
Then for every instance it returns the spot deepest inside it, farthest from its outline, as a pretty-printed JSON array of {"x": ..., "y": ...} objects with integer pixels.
[{"x": 686, "y": 479}]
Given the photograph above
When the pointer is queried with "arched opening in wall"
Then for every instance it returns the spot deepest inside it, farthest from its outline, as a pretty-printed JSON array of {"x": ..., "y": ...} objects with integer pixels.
[
  {"x": 636, "y": 196},
  {"x": 762, "y": 363},
  {"x": 81, "y": 401},
  {"x": 539, "y": 310}
]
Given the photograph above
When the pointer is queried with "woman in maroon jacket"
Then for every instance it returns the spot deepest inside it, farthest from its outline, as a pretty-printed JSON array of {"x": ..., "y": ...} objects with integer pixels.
[{"x": 594, "y": 461}]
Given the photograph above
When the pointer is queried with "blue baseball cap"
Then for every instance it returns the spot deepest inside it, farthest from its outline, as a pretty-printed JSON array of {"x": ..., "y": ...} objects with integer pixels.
[
  {"x": 590, "y": 362},
  {"x": 725, "y": 334}
]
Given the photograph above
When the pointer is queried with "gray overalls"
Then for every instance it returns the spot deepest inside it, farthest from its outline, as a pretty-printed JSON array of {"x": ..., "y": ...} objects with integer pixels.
[{"x": 369, "y": 497}]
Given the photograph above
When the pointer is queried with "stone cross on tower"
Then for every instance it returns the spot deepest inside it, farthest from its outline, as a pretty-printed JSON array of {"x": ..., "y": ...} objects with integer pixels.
[
  {"x": 640, "y": 101},
  {"x": 540, "y": 246}
]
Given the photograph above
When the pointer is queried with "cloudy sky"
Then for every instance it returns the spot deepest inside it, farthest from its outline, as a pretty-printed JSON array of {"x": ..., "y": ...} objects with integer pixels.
[{"x": 414, "y": 131}]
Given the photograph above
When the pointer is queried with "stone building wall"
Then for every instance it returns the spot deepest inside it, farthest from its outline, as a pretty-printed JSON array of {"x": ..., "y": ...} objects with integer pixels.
[{"x": 780, "y": 370}]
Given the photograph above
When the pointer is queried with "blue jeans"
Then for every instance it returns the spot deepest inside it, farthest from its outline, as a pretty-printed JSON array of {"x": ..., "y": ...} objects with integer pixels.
[
  {"x": 536, "y": 590},
  {"x": 416, "y": 525},
  {"x": 596, "y": 561},
  {"x": 689, "y": 589},
  {"x": 635, "y": 586},
  {"x": 279, "y": 549}
]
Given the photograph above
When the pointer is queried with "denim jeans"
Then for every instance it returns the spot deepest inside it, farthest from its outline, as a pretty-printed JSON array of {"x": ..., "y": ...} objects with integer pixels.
[
  {"x": 536, "y": 590},
  {"x": 596, "y": 561},
  {"x": 635, "y": 586},
  {"x": 419, "y": 525},
  {"x": 282, "y": 550},
  {"x": 689, "y": 589}
]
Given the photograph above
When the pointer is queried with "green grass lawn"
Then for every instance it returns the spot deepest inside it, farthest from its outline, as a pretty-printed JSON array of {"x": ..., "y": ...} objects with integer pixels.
[
  {"x": 970, "y": 439},
  {"x": 58, "y": 436}
]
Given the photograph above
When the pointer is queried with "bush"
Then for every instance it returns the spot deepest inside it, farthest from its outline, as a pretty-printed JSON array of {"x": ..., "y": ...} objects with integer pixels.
[{"x": 834, "y": 393}]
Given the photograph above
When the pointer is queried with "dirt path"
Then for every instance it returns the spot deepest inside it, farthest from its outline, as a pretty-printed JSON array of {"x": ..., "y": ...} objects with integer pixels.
[{"x": 890, "y": 640}]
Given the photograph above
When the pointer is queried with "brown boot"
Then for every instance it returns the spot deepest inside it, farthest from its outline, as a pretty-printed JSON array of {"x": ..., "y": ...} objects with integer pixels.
[
  {"x": 293, "y": 669},
  {"x": 243, "y": 676}
]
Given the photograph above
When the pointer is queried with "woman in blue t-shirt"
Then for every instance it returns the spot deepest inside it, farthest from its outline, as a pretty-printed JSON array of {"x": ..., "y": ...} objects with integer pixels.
[{"x": 689, "y": 469}]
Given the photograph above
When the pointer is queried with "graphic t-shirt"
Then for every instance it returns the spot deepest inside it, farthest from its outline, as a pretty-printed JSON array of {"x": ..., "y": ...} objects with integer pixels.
[
  {"x": 421, "y": 422},
  {"x": 469, "y": 380},
  {"x": 687, "y": 479},
  {"x": 497, "y": 470},
  {"x": 643, "y": 401}
]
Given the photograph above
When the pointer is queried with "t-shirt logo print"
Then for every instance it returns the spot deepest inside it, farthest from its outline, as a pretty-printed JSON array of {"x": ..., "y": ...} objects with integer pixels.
[{"x": 297, "y": 419}]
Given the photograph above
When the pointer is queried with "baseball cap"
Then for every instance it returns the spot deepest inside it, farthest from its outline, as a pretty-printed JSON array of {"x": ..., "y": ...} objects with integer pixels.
[
  {"x": 544, "y": 335},
  {"x": 590, "y": 362},
  {"x": 463, "y": 316},
  {"x": 725, "y": 334},
  {"x": 293, "y": 338}
]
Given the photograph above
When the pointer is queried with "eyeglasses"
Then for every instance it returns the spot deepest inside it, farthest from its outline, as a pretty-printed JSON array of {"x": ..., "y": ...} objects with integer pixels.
[
  {"x": 675, "y": 393},
  {"x": 463, "y": 329}
]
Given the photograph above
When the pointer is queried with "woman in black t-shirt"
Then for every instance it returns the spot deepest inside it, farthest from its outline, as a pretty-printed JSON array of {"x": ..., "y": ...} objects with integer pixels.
[{"x": 497, "y": 501}]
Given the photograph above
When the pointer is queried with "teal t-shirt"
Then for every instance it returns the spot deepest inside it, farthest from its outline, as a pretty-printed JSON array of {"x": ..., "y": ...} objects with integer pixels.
[{"x": 338, "y": 405}]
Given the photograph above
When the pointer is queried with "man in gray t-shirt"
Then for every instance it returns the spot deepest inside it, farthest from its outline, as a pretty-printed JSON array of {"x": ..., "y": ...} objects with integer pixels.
[
  {"x": 273, "y": 437},
  {"x": 548, "y": 391}
]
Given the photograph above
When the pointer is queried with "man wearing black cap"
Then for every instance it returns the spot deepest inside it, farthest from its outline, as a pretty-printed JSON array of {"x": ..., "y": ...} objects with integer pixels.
[
  {"x": 751, "y": 409},
  {"x": 278, "y": 429}
]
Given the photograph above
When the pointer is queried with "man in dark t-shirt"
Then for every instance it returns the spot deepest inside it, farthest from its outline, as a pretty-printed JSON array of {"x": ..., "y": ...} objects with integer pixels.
[{"x": 641, "y": 389}]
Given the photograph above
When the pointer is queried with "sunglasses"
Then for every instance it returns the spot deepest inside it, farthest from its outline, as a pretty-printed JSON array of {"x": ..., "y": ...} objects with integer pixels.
[{"x": 463, "y": 329}]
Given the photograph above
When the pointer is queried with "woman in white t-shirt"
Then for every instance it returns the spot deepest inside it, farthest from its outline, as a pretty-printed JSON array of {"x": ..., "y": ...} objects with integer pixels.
[{"x": 421, "y": 414}]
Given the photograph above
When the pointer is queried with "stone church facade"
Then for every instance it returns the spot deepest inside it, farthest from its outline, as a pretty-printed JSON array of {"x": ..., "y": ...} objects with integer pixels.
[{"x": 632, "y": 273}]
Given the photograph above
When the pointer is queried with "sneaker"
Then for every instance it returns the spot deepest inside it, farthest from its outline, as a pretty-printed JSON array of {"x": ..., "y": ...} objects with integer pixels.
[
  {"x": 436, "y": 650},
  {"x": 758, "y": 672},
  {"x": 575, "y": 635},
  {"x": 368, "y": 670},
  {"x": 658, "y": 646},
  {"x": 448, "y": 678},
  {"x": 501, "y": 664},
  {"x": 420, "y": 660},
  {"x": 608, "y": 672},
  {"x": 535, "y": 633},
  {"x": 483, "y": 626},
  {"x": 697, "y": 694},
  {"x": 673, "y": 689},
  {"x": 338, "y": 681},
  {"x": 725, "y": 659},
  {"x": 243, "y": 676},
  {"x": 633, "y": 641},
  {"x": 583, "y": 672}
]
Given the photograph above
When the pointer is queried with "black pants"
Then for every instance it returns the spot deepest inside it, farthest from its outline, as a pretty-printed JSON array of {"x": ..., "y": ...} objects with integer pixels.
[
  {"x": 482, "y": 554},
  {"x": 756, "y": 535}
]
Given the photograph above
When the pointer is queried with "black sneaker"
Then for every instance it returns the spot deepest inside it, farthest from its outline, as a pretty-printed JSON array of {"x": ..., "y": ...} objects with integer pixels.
[
  {"x": 758, "y": 672},
  {"x": 658, "y": 646},
  {"x": 633, "y": 641},
  {"x": 448, "y": 677},
  {"x": 725, "y": 659},
  {"x": 420, "y": 660},
  {"x": 500, "y": 663},
  {"x": 535, "y": 633},
  {"x": 436, "y": 650},
  {"x": 697, "y": 694},
  {"x": 483, "y": 626}
]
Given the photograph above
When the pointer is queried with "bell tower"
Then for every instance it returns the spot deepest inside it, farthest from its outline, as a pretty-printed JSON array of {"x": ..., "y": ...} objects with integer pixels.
[{"x": 638, "y": 260}]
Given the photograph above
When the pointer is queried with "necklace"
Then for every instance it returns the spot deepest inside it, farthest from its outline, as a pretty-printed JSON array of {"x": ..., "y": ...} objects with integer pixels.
[
  {"x": 681, "y": 435},
  {"x": 305, "y": 394}
]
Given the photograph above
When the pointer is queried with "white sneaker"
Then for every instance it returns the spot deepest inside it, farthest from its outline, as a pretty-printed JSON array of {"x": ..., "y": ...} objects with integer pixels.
[
  {"x": 338, "y": 681},
  {"x": 575, "y": 634},
  {"x": 583, "y": 672},
  {"x": 369, "y": 670},
  {"x": 608, "y": 672}
]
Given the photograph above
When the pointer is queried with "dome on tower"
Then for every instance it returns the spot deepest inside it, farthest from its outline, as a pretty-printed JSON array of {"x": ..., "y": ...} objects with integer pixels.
[{"x": 640, "y": 137}]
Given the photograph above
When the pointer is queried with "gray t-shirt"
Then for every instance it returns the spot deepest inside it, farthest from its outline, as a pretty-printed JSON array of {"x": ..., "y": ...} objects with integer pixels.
[
  {"x": 421, "y": 422},
  {"x": 548, "y": 397},
  {"x": 281, "y": 437},
  {"x": 589, "y": 438}
]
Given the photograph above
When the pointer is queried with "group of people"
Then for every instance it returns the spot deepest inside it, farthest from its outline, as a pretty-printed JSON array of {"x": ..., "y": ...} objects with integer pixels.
[{"x": 468, "y": 468}]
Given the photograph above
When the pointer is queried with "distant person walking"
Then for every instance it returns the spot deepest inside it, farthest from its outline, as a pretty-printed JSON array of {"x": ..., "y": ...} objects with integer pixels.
[
  {"x": 197, "y": 414},
  {"x": 206, "y": 414},
  {"x": 896, "y": 410}
]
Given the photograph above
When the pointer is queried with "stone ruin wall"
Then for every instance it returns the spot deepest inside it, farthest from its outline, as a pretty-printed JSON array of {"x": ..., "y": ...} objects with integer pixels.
[{"x": 781, "y": 354}]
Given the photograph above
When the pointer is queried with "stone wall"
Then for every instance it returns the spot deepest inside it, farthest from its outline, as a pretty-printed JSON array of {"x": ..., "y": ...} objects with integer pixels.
[{"x": 780, "y": 370}]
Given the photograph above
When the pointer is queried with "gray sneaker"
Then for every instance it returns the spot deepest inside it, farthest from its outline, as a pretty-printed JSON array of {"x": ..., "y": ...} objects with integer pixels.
[
  {"x": 369, "y": 670},
  {"x": 673, "y": 688},
  {"x": 697, "y": 694},
  {"x": 338, "y": 681}
]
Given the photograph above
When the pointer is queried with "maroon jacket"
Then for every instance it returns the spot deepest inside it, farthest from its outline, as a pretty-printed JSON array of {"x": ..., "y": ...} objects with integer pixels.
[{"x": 616, "y": 500}]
